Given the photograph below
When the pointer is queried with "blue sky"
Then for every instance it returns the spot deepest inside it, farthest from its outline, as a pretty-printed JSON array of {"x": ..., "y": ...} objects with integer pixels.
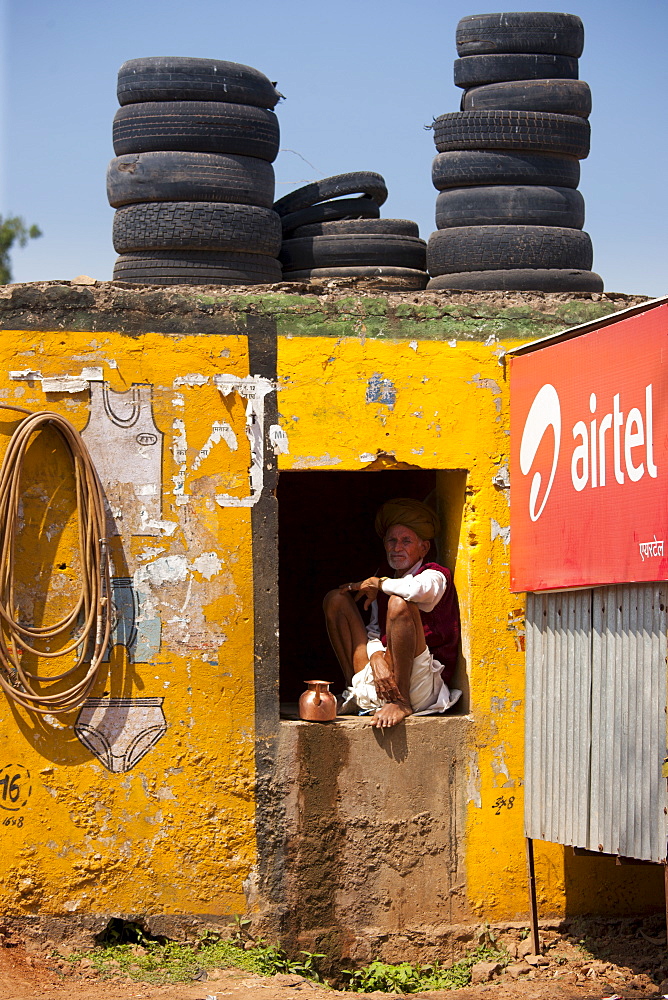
[{"x": 361, "y": 80}]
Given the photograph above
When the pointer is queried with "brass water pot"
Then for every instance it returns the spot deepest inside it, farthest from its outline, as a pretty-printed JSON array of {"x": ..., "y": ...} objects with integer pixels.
[{"x": 317, "y": 704}]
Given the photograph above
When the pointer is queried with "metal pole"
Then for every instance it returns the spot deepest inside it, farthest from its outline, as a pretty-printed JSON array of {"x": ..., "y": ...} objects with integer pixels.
[{"x": 533, "y": 903}]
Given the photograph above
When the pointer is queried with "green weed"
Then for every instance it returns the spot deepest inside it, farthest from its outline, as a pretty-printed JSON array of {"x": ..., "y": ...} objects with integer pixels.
[
  {"x": 128, "y": 952},
  {"x": 270, "y": 959},
  {"x": 408, "y": 978}
]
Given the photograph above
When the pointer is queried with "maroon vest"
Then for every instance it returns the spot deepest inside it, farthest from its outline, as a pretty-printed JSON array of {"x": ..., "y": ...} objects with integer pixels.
[{"x": 441, "y": 626}]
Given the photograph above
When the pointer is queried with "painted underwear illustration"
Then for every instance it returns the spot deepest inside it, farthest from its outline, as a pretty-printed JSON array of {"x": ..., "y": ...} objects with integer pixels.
[{"x": 120, "y": 731}]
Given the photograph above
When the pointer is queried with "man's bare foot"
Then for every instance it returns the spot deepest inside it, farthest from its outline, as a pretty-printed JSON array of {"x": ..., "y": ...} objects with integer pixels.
[{"x": 391, "y": 714}]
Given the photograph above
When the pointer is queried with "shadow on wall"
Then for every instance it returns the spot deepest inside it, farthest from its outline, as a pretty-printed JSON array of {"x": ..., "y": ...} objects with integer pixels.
[
  {"x": 326, "y": 537},
  {"x": 600, "y": 885},
  {"x": 47, "y": 581}
]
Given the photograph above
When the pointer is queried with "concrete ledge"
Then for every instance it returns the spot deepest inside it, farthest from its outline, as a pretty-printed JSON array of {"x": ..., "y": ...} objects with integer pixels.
[
  {"x": 337, "y": 308},
  {"x": 367, "y": 838},
  {"x": 364, "y": 721}
]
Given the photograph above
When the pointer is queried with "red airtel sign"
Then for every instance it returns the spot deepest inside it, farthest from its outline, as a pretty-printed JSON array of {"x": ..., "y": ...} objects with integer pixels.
[{"x": 589, "y": 457}]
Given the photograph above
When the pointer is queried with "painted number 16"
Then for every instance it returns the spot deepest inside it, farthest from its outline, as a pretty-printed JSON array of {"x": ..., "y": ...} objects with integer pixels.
[
  {"x": 15, "y": 787},
  {"x": 11, "y": 789}
]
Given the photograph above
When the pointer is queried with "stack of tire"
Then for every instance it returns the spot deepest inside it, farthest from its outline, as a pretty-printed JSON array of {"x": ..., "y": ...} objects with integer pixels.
[
  {"x": 327, "y": 234},
  {"x": 193, "y": 182},
  {"x": 508, "y": 214}
]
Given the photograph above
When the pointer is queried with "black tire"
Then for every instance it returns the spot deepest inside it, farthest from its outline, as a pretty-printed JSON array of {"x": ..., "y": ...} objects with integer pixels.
[
  {"x": 503, "y": 204},
  {"x": 199, "y": 126},
  {"x": 181, "y": 78},
  {"x": 535, "y": 31},
  {"x": 494, "y": 248},
  {"x": 197, "y": 225},
  {"x": 174, "y": 267},
  {"x": 521, "y": 280},
  {"x": 558, "y": 97},
  {"x": 473, "y": 71},
  {"x": 470, "y": 167},
  {"x": 529, "y": 131},
  {"x": 392, "y": 227},
  {"x": 400, "y": 278},
  {"x": 359, "y": 250},
  {"x": 179, "y": 176},
  {"x": 331, "y": 211},
  {"x": 364, "y": 182}
]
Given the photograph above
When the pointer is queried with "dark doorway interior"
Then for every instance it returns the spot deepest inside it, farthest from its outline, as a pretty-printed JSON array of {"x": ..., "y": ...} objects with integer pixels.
[{"x": 326, "y": 537}]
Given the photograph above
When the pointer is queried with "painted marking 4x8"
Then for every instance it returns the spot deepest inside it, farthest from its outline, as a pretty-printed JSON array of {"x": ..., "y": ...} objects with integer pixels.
[{"x": 501, "y": 802}]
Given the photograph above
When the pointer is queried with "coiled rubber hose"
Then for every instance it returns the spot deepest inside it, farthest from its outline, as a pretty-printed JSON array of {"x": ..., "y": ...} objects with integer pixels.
[{"x": 88, "y": 623}]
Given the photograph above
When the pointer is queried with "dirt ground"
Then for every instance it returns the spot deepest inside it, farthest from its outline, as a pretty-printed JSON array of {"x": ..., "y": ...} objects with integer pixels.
[{"x": 604, "y": 959}]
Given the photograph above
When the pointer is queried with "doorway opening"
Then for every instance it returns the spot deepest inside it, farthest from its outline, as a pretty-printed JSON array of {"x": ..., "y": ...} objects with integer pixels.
[{"x": 326, "y": 537}]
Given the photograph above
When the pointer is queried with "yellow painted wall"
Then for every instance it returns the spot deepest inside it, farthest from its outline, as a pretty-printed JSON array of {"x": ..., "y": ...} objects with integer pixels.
[
  {"x": 450, "y": 412},
  {"x": 447, "y": 408},
  {"x": 175, "y": 833}
]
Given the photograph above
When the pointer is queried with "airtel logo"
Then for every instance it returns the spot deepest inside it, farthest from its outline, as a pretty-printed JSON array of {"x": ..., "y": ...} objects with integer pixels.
[
  {"x": 599, "y": 445},
  {"x": 545, "y": 412}
]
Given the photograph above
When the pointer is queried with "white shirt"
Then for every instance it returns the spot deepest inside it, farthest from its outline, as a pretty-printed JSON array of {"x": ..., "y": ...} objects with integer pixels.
[{"x": 425, "y": 590}]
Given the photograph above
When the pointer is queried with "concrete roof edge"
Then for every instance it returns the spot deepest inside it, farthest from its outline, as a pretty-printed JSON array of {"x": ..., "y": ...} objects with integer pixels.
[{"x": 588, "y": 327}]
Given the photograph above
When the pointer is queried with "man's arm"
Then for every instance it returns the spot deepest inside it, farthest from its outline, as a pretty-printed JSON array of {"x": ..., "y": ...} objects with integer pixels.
[{"x": 426, "y": 589}]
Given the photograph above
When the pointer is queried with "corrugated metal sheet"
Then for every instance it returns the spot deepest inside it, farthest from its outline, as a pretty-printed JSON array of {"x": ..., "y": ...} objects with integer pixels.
[
  {"x": 558, "y": 714},
  {"x": 595, "y": 721}
]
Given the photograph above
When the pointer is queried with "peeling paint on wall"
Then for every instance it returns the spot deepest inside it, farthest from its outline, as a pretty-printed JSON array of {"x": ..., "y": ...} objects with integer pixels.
[
  {"x": 500, "y": 768},
  {"x": 279, "y": 440},
  {"x": 487, "y": 383},
  {"x": 253, "y": 389},
  {"x": 166, "y": 569},
  {"x": 381, "y": 390},
  {"x": 473, "y": 782},
  {"x": 180, "y": 454},
  {"x": 62, "y": 383},
  {"x": 325, "y": 461},
  {"x": 501, "y": 479},
  {"x": 208, "y": 564},
  {"x": 498, "y": 531},
  {"x": 193, "y": 379},
  {"x": 220, "y": 431},
  {"x": 517, "y": 627},
  {"x": 153, "y": 526}
]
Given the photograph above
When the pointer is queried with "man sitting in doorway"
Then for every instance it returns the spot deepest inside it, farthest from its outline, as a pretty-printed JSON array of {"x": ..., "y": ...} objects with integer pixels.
[{"x": 399, "y": 663}]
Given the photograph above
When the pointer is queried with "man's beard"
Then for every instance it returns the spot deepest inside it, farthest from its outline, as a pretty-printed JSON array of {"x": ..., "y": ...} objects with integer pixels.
[{"x": 398, "y": 562}]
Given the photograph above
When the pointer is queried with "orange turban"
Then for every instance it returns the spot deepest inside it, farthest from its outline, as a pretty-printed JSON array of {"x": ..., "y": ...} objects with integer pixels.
[{"x": 413, "y": 514}]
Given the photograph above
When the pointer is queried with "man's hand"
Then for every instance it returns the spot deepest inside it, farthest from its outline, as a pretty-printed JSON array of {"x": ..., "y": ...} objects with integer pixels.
[
  {"x": 366, "y": 588},
  {"x": 383, "y": 678}
]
